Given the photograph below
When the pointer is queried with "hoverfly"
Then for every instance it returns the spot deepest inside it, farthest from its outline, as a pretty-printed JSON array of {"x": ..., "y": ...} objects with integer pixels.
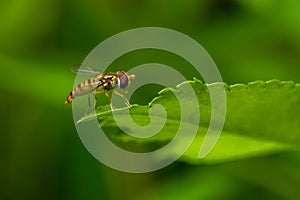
[{"x": 103, "y": 82}]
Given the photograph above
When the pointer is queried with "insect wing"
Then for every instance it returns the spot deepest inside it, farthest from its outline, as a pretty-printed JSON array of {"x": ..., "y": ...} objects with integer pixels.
[{"x": 86, "y": 70}]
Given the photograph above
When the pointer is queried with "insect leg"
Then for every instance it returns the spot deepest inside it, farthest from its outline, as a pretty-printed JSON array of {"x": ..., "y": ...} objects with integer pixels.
[
  {"x": 89, "y": 101},
  {"x": 95, "y": 100},
  {"x": 89, "y": 105},
  {"x": 109, "y": 99},
  {"x": 123, "y": 97}
]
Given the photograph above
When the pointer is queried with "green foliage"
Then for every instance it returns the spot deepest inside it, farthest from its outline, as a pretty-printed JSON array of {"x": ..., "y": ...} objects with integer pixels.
[
  {"x": 248, "y": 40},
  {"x": 262, "y": 118}
]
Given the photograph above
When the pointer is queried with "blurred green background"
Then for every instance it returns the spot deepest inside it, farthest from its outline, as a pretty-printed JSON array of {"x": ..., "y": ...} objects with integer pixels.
[{"x": 42, "y": 156}]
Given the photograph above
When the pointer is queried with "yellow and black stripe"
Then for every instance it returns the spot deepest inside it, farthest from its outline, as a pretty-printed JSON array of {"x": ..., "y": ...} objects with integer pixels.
[{"x": 83, "y": 88}]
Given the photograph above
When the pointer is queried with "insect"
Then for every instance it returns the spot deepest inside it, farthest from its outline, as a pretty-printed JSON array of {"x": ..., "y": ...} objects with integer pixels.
[{"x": 101, "y": 83}]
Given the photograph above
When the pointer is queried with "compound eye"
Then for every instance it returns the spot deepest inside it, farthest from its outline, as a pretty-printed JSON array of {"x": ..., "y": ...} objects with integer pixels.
[{"x": 123, "y": 79}]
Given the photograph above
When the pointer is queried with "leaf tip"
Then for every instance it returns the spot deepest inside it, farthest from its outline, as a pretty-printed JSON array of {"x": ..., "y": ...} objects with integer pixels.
[
  {"x": 196, "y": 80},
  {"x": 238, "y": 86},
  {"x": 272, "y": 84},
  {"x": 256, "y": 85}
]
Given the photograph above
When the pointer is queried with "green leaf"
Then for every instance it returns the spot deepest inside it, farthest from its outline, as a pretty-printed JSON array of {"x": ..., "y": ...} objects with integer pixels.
[{"x": 262, "y": 118}]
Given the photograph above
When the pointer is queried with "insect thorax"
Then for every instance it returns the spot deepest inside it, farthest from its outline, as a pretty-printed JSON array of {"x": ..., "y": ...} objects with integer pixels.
[{"x": 108, "y": 81}]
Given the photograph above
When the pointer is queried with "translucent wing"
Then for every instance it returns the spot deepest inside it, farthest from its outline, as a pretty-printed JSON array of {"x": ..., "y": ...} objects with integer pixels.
[{"x": 85, "y": 70}]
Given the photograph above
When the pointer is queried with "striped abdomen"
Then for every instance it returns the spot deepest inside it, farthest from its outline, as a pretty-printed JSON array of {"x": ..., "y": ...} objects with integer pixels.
[{"x": 83, "y": 88}]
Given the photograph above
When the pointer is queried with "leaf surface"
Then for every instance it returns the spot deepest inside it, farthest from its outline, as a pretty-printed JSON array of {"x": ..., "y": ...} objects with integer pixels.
[{"x": 262, "y": 118}]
